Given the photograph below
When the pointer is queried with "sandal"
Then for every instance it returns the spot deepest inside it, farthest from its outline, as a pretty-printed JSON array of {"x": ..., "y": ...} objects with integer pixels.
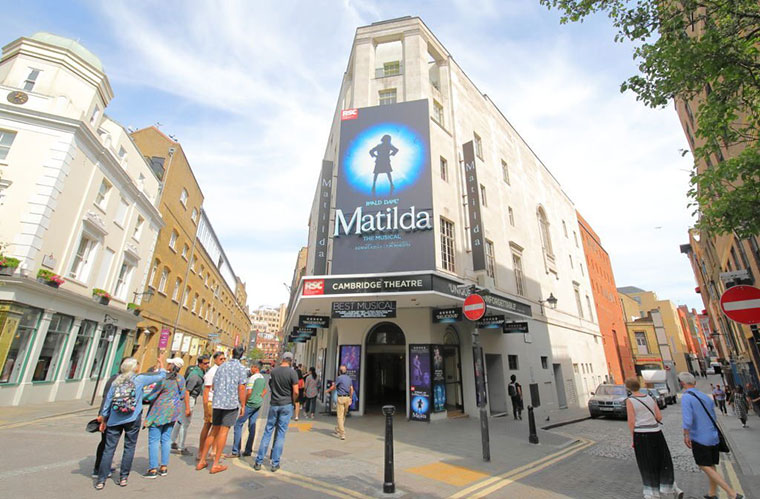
[
  {"x": 100, "y": 486},
  {"x": 123, "y": 482}
]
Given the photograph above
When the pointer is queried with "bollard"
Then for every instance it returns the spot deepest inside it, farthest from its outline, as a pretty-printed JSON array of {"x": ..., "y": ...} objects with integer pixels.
[
  {"x": 389, "y": 487},
  {"x": 533, "y": 437}
]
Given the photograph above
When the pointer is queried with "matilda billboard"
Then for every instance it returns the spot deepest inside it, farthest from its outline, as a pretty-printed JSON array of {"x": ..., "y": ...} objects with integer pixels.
[{"x": 384, "y": 200}]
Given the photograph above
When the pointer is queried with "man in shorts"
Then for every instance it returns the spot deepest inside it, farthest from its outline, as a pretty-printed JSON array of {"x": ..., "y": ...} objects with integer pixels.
[
  {"x": 208, "y": 397},
  {"x": 700, "y": 434},
  {"x": 228, "y": 404}
]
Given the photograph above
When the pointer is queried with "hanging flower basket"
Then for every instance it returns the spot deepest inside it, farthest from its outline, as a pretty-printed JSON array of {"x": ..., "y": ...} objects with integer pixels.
[
  {"x": 8, "y": 265},
  {"x": 101, "y": 296},
  {"x": 49, "y": 278},
  {"x": 135, "y": 308}
]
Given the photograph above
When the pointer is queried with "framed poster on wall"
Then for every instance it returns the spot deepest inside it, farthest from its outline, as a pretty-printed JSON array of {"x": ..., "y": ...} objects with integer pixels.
[
  {"x": 351, "y": 357},
  {"x": 419, "y": 383}
]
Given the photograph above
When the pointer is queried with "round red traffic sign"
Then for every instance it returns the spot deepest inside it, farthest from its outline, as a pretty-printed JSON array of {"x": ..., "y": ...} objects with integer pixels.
[
  {"x": 742, "y": 304},
  {"x": 474, "y": 307}
]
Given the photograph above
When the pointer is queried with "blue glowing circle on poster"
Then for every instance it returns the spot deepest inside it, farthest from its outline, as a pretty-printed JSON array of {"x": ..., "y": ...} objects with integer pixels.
[
  {"x": 420, "y": 404},
  {"x": 384, "y": 153}
]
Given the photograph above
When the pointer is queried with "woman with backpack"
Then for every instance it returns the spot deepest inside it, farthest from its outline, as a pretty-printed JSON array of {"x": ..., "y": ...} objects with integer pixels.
[
  {"x": 172, "y": 402},
  {"x": 122, "y": 412}
]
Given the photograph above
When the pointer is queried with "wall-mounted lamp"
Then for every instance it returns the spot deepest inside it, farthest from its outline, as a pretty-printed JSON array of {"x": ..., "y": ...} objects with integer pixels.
[{"x": 552, "y": 301}]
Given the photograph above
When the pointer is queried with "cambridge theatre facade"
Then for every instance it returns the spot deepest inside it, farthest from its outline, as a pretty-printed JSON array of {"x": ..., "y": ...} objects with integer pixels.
[{"x": 425, "y": 188}]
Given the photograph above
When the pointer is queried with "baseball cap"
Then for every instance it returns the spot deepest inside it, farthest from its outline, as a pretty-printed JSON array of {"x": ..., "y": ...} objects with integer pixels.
[
  {"x": 287, "y": 356},
  {"x": 177, "y": 362}
]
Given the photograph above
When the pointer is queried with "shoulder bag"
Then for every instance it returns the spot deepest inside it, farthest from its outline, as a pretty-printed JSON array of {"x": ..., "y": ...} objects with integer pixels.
[
  {"x": 722, "y": 444},
  {"x": 648, "y": 409}
]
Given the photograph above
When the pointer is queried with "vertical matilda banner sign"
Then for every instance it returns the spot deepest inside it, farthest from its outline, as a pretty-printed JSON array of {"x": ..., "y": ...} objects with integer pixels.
[
  {"x": 323, "y": 218},
  {"x": 384, "y": 200},
  {"x": 420, "y": 383},
  {"x": 473, "y": 207}
]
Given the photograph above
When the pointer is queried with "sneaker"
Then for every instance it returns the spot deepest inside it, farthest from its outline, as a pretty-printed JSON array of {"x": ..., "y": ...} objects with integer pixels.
[
  {"x": 186, "y": 452},
  {"x": 95, "y": 474},
  {"x": 342, "y": 437},
  {"x": 257, "y": 466},
  {"x": 163, "y": 471},
  {"x": 151, "y": 474},
  {"x": 277, "y": 467},
  {"x": 175, "y": 446},
  {"x": 296, "y": 418},
  {"x": 246, "y": 454}
]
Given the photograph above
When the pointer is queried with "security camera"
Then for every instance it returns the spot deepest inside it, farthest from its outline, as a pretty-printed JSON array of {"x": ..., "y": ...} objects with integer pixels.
[{"x": 172, "y": 150}]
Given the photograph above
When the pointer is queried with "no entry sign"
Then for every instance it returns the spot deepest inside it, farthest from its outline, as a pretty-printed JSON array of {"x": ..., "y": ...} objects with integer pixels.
[
  {"x": 742, "y": 304},
  {"x": 474, "y": 307}
]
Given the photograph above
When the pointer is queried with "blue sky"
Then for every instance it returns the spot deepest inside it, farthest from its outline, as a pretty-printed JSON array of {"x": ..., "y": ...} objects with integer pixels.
[{"x": 249, "y": 89}]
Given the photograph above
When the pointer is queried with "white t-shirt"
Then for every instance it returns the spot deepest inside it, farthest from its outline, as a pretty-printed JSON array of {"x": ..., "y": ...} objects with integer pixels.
[{"x": 208, "y": 380}]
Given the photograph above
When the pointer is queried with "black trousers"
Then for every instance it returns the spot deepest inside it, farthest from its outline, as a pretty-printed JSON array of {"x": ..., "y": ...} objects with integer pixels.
[
  {"x": 517, "y": 407},
  {"x": 99, "y": 452}
]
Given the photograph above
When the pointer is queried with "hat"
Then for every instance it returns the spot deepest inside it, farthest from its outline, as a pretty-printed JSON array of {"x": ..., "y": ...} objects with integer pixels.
[
  {"x": 287, "y": 356},
  {"x": 93, "y": 426},
  {"x": 177, "y": 362}
]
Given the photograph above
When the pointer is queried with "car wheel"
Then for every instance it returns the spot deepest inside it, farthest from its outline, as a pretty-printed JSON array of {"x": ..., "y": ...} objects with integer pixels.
[{"x": 594, "y": 416}]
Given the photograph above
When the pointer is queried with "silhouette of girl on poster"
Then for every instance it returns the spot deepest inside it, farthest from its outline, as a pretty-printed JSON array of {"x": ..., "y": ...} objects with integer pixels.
[{"x": 382, "y": 154}]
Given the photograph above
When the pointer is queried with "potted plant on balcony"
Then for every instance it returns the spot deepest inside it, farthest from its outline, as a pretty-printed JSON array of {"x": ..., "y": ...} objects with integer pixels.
[
  {"x": 51, "y": 279},
  {"x": 135, "y": 308},
  {"x": 8, "y": 265},
  {"x": 101, "y": 296}
]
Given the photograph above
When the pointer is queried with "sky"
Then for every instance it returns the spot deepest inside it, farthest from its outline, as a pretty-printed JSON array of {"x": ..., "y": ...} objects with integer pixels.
[{"x": 249, "y": 89}]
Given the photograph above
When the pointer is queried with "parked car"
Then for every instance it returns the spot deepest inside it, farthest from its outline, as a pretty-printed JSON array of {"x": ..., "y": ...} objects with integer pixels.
[
  {"x": 608, "y": 400},
  {"x": 658, "y": 397}
]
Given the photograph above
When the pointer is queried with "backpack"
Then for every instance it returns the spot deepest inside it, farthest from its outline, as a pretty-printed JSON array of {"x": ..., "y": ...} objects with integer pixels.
[
  {"x": 512, "y": 390},
  {"x": 124, "y": 399},
  {"x": 151, "y": 391}
]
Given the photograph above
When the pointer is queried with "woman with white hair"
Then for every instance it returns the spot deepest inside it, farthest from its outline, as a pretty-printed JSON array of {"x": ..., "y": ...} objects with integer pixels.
[
  {"x": 122, "y": 412},
  {"x": 172, "y": 401}
]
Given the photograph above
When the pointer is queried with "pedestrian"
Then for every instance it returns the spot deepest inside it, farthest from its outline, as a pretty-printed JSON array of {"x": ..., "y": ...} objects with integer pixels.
[
  {"x": 301, "y": 398},
  {"x": 283, "y": 386},
  {"x": 102, "y": 444},
  {"x": 345, "y": 389},
  {"x": 704, "y": 372},
  {"x": 255, "y": 389},
  {"x": 228, "y": 405},
  {"x": 208, "y": 398},
  {"x": 311, "y": 386},
  {"x": 194, "y": 385},
  {"x": 720, "y": 399},
  {"x": 122, "y": 412},
  {"x": 700, "y": 434},
  {"x": 753, "y": 397},
  {"x": 171, "y": 403},
  {"x": 515, "y": 393},
  {"x": 652, "y": 452},
  {"x": 740, "y": 404}
]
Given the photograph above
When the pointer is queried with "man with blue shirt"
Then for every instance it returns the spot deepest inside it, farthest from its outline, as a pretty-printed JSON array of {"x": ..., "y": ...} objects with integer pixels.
[
  {"x": 701, "y": 435},
  {"x": 345, "y": 388}
]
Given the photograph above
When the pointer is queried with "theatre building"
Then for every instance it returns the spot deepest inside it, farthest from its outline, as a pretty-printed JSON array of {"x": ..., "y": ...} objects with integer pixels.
[{"x": 425, "y": 189}]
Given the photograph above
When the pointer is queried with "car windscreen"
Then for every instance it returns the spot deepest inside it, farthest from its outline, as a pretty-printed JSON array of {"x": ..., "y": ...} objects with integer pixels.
[{"x": 611, "y": 390}]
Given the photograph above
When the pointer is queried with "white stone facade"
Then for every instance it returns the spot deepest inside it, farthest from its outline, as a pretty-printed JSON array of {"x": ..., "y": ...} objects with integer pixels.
[{"x": 77, "y": 199}]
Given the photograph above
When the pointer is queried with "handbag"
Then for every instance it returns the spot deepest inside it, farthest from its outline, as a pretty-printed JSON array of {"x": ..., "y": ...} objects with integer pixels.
[
  {"x": 722, "y": 444},
  {"x": 648, "y": 409}
]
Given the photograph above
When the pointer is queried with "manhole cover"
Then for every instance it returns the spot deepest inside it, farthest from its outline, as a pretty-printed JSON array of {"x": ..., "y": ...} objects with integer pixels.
[{"x": 330, "y": 453}]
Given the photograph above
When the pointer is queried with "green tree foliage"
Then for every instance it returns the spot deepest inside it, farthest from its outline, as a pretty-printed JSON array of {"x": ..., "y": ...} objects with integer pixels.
[
  {"x": 254, "y": 355},
  {"x": 707, "y": 50}
]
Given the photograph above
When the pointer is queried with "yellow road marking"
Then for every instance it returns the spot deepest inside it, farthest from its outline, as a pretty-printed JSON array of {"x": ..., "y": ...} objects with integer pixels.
[
  {"x": 496, "y": 481},
  {"x": 732, "y": 478},
  {"x": 448, "y": 473},
  {"x": 305, "y": 481},
  {"x": 302, "y": 427}
]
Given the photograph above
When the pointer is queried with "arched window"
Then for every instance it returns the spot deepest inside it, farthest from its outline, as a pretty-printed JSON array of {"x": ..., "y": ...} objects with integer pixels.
[
  {"x": 163, "y": 280},
  {"x": 386, "y": 334},
  {"x": 543, "y": 225}
]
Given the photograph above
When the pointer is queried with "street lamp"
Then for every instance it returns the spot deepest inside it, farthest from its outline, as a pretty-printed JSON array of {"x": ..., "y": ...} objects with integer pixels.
[
  {"x": 552, "y": 301},
  {"x": 147, "y": 295}
]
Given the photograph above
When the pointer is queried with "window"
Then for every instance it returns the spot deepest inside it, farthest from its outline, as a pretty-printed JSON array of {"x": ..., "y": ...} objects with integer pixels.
[
  {"x": 483, "y": 195},
  {"x": 391, "y": 68},
  {"x": 590, "y": 310},
  {"x": 192, "y": 264},
  {"x": 478, "y": 145},
  {"x": 101, "y": 198},
  {"x": 517, "y": 265},
  {"x": 76, "y": 367},
  {"x": 138, "y": 228},
  {"x": 186, "y": 297},
  {"x": 99, "y": 359},
  {"x": 177, "y": 287},
  {"x": 444, "y": 169},
  {"x": 123, "y": 280},
  {"x": 564, "y": 228},
  {"x": 162, "y": 281},
  {"x": 577, "y": 293},
  {"x": 195, "y": 303},
  {"x": 94, "y": 116},
  {"x": 183, "y": 198},
  {"x": 544, "y": 362},
  {"x": 571, "y": 261},
  {"x": 575, "y": 237},
  {"x": 387, "y": 96},
  {"x": 512, "y": 360},
  {"x": 581, "y": 266},
  {"x": 173, "y": 240},
  {"x": 641, "y": 342},
  {"x": 52, "y": 348},
  {"x": 122, "y": 153},
  {"x": 438, "y": 113},
  {"x": 185, "y": 250},
  {"x": 490, "y": 260},
  {"x": 153, "y": 273},
  {"x": 505, "y": 171},
  {"x": 575, "y": 368},
  {"x": 447, "y": 245},
  {"x": 83, "y": 258},
  {"x": 31, "y": 79},
  {"x": 543, "y": 225},
  {"x": 121, "y": 212},
  {"x": 6, "y": 141},
  {"x": 194, "y": 215},
  {"x": 205, "y": 281},
  {"x": 18, "y": 346},
  {"x": 511, "y": 216}
]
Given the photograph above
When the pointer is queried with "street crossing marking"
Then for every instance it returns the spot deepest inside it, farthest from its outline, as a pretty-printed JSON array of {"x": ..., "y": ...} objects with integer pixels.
[{"x": 481, "y": 489}]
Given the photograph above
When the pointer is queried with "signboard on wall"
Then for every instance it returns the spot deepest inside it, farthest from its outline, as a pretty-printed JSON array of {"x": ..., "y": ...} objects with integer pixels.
[
  {"x": 313, "y": 321},
  {"x": 323, "y": 218},
  {"x": 439, "y": 379},
  {"x": 194, "y": 347},
  {"x": 163, "y": 340},
  {"x": 419, "y": 383},
  {"x": 186, "y": 343},
  {"x": 176, "y": 342},
  {"x": 363, "y": 309},
  {"x": 384, "y": 201},
  {"x": 447, "y": 315},
  {"x": 473, "y": 207},
  {"x": 351, "y": 357}
]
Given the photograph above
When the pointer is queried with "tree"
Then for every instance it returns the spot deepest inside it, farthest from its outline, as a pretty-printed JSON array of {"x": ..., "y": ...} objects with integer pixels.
[
  {"x": 708, "y": 51},
  {"x": 254, "y": 355}
]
